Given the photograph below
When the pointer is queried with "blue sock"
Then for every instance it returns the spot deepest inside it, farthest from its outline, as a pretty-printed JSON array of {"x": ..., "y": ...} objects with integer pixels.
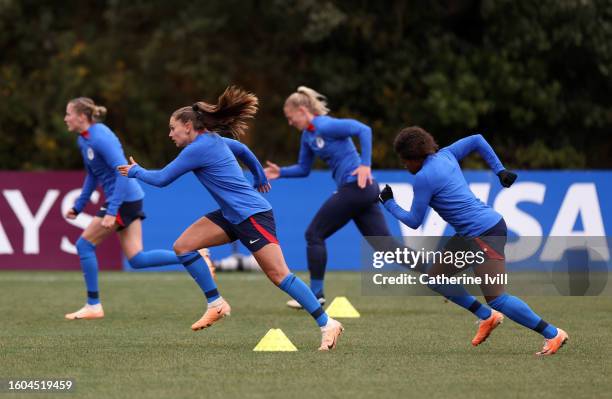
[
  {"x": 316, "y": 286},
  {"x": 156, "y": 257},
  {"x": 520, "y": 312},
  {"x": 195, "y": 265},
  {"x": 299, "y": 291},
  {"x": 457, "y": 294},
  {"x": 89, "y": 265}
]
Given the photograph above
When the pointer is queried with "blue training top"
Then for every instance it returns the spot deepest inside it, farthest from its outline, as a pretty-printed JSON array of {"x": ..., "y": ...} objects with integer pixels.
[
  {"x": 102, "y": 153},
  {"x": 441, "y": 184},
  {"x": 330, "y": 139},
  {"x": 211, "y": 158}
]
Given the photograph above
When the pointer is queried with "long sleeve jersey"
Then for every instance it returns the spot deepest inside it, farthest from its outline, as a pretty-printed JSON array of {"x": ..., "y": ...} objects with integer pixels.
[
  {"x": 331, "y": 140},
  {"x": 211, "y": 158},
  {"x": 102, "y": 153},
  {"x": 441, "y": 185}
]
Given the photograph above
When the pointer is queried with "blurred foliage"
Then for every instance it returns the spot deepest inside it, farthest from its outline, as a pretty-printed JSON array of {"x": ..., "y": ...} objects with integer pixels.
[{"x": 533, "y": 76}]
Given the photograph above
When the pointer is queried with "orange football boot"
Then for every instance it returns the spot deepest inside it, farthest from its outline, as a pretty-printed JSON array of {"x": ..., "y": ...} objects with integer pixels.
[
  {"x": 485, "y": 327},
  {"x": 330, "y": 334},
  {"x": 551, "y": 346},
  {"x": 212, "y": 315}
]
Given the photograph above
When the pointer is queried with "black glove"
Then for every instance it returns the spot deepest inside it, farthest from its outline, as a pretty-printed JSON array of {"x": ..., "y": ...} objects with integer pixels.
[
  {"x": 506, "y": 178},
  {"x": 386, "y": 194}
]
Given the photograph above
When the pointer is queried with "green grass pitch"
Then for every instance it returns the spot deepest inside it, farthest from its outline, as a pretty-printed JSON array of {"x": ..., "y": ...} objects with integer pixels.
[{"x": 400, "y": 347}]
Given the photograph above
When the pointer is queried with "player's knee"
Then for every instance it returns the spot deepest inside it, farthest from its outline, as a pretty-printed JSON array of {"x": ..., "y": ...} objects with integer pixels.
[
  {"x": 83, "y": 246},
  {"x": 275, "y": 272},
  {"x": 180, "y": 248},
  {"x": 313, "y": 237},
  {"x": 276, "y": 277}
]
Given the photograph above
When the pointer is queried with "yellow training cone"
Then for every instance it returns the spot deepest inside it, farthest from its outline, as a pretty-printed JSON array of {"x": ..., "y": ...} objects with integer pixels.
[
  {"x": 341, "y": 307},
  {"x": 275, "y": 340}
]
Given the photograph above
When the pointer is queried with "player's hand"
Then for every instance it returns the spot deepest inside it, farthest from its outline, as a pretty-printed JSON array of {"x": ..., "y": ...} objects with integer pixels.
[
  {"x": 386, "y": 194},
  {"x": 264, "y": 188},
  {"x": 71, "y": 214},
  {"x": 506, "y": 178},
  {"x": 125, "y": 169},
  {"x": 364, "y": 175},
  {"x": 108, "y": 222},
  {"x": 272, "y": 170}
]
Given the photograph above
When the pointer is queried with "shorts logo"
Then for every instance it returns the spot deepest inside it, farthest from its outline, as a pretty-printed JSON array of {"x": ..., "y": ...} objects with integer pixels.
[
  {"x": 254, "y": 241},
  {"x": 90, "y": 154},
  {"x": 320, "y": 142}
]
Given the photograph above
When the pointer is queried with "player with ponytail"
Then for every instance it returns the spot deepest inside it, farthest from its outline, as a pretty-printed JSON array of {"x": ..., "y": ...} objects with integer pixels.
[
  {"x": 243, "y": 215},
  {"x": 356, "y": 198},
  {"x": 122, "y": 212}
]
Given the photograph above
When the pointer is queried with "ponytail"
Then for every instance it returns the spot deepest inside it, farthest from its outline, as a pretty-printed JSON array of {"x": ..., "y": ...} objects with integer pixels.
[
  {"x": 234, "y": 107},
  {"x": 314, "y": 101},
  {"x": 86, "y": 106}
]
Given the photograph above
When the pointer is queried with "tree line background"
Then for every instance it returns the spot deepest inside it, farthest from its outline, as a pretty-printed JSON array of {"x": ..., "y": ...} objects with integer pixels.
[{"x": 532, "y": 75}]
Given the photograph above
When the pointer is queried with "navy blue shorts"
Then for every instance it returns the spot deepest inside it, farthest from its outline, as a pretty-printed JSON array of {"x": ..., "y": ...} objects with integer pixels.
[
  {"x": 491, "y": 242},
  {"x": 128, "y": 212},
  {"x": 255, "y": 232}
]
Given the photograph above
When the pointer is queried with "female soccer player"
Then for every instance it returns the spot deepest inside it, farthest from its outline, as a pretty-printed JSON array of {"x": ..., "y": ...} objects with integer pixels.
[
  {"x": 244, "y": 215},
  {"x": 122, "y": 212},
  {"x": 357, "y": 195},
  {"x": 440, "y": 184}
]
